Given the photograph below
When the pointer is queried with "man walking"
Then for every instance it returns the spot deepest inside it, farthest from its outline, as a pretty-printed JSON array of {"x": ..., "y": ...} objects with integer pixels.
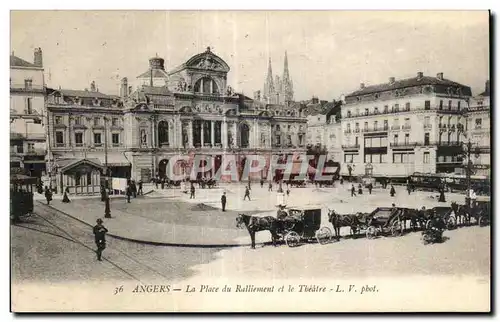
[
  {"x": 247, "y": 193},
  {"x": 129, "y": 193},
  {"x": 353, "y": 191},
  {"x": 139, "y": 191},
  {"x": 48, "y": 195},
  {"x": 370, "y": 187},
  {"x": 100, "y": 238},
  {"x": 223, "y": 201}
]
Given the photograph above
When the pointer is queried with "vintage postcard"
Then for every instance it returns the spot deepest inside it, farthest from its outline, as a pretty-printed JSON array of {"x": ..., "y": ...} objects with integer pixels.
[{"x": 250, "y": 161}]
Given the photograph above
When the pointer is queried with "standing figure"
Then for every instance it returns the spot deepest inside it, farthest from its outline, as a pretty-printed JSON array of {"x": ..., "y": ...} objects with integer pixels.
[
  {"x": 100, "y": 238},
  {"x": 134, "y": 189},
  {"x": 129, "y": 193},
  {"x": 353, "y": 191},
  {"x": 270, "y": 186},
  {"x": 192, "y": 191},
  {"x": 287, "y": 191},
  {"x": 48, "y": 195},
  {"x": 247, "y": 193},
  {"x": 223, "y": 201},
  {"x": 393, "y": 191},
  {"x": 360, "y": 189},
  {"x": 139, "y": 191},
  {"x": 103, "y": 193},
  {"x": 370, "y": 187},
  {"x": 157, "y": 180},
  {"x": 262, "y": 183},
  {"x": 65, "y": 197}
]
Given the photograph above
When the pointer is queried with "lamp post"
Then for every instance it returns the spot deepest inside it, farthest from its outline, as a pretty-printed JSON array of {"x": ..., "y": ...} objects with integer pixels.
[
  {"x": 107, "y": 210},
  {"x": 467, "y": 151}
]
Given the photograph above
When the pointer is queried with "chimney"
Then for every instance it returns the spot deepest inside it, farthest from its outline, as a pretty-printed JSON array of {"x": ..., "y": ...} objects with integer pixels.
[
  {"x": 362, "y": 86},
  {"x": 124, "y": 88},
  {"x": 420, "y": 75},
  {"x": 392, "y": 80},
  {"x": 38, "y": 58},
  {"x": 92, "y": 86},
  {"x": 487, "y": 87},
  {"x": 439, "y": 76}
]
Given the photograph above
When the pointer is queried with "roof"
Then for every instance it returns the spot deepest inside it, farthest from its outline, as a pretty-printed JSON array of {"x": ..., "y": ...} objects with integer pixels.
[
  {"x": 157, "y": 73},
  {"x": 408, "y": 82},
  {"x": 196, "y": 60},
  {"x": 485, "y": 94},
  {"x": 18, "y": 62},
  {"x": 89, "y": 94},
  {"x": 152, "y": 90}
]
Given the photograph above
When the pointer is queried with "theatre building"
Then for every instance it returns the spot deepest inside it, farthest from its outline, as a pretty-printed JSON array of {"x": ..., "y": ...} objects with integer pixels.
[
  {"x": 185, "y": 111},
  {"x": 404, "y": 126}
]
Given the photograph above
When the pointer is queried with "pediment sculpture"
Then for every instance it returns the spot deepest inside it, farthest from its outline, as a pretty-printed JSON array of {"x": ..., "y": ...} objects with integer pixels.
[{"x": 208, "y": 63}]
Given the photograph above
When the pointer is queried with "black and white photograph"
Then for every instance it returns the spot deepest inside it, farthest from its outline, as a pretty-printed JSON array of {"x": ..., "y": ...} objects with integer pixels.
[{"x": 250, "y": 161}]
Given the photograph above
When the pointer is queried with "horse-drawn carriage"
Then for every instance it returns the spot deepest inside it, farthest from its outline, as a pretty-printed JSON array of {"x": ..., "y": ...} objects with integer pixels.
[
  {"x": 480, "y": 210},
  {"x": 300, "y": 224},
  {"x": 385, "y": 220},
  {"x": 304, "y": 224}
]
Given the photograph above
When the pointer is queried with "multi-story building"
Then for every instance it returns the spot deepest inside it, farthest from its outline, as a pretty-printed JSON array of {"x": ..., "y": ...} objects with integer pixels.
[
  {"x": 27, "y": 132},
  {"x": 188, "y": 110},
  {"x": 478, "y": 131},
  {"x": 404, "y": 126},
  {"x": 323, "y": 128}
]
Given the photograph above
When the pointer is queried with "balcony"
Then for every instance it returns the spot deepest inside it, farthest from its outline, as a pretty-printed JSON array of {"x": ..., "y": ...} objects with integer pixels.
[
  {"x": 395, "y": 127},
  {"x": 404, "y": 110},
  {"x": 404, "y": 144},
  {"x": 357, "y": 130},
  {"x": 350, "y": 146},
  {"x": 451, "y": 143},
  {"x": 374, "y": 129},
  {"x": 22, "y": 88}
]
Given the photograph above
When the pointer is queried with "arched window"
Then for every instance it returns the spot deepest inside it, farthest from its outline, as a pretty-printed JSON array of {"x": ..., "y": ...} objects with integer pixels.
[
  {"x": 206, "y": 85},
  {"x": 163, "y": 133},
  {"x": 244, "y": 135}
]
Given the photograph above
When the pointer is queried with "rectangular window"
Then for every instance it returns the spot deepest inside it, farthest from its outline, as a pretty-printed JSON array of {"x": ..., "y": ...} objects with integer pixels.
[
  {"x": 368, "y": 142},
  {"x": 375, "y": 142},
  {"x": 407, "y": 106},
  {"x": 348, "y": 158},
  {"x": 357, "y": 141},
  {"x": 356, "y": 126},
  {"x": 28, "y": 84},
  {"x": 89, "y": 179},
  {"x": 478, "y": 123},
  {"x": 278, "y": 139},
  {"x": 383, "y": 158},
  {"x": 427, "y": 139},
  {"x": 77, "y": 179},
  {"x": 58, "y": 119},
  {"x": 79, "y": 139},
  {"x": 428, "y": 105},
  {"x": 115, "y": 138},
  {"x": 441, "y": 104},
  {"x": 59, "y": 137},
  {"x": 396, "y": 107},
  {"x": 404, "y": 158},
  {"x": 368, "y": 158},
  {"x": 427, "y": 121},
  {"x": 29, "y": 106},
  {"x": 383, "y": 141},
  {"x": 376, "y": 110},
  {"x": 386, "y": 109},
  {"x": 407, "y": 138},
  {"x": 386, "y": 125},
  {"x": 396, "y": 158},
  {"x": 31, "y": 147},
  {"x": 458, "y": 105},
  {"x": 396, "y": 139},
  {"x": 366, "y": 126},
  {"x": 78, "y": 120},
  {"x": 449, "y": 105},
  {"x": 97, "y": 139},
  {"x": 97, "y": 121},
  {"x": 114, "y": 121},
  {"x": 366, "y": 111},
  {"x": 375, "y": 125},
  {"x": 427, "y": 157}
]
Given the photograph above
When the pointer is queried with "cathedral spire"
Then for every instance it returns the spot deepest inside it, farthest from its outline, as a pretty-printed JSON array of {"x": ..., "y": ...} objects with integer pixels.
[
  {"x": 287, "y": 86},
  {"x": 269, "y": 86},
  {"x": 286, "y": 75}
]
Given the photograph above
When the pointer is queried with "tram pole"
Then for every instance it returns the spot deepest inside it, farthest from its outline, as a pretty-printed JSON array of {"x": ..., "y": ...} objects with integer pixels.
[{"x": 107, "y": 210}]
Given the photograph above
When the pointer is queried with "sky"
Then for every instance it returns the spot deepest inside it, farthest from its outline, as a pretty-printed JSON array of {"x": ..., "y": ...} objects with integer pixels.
[{"x": 329, "y": 52}]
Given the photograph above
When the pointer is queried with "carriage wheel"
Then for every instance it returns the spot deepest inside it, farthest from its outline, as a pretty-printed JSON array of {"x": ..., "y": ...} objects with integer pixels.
[
  {"x": 292, "y": 239},
  {"x": 371, "y": 232},
  {"x": 396, "y": 229},
  {"x": 324, "y": 235},
  {"x": 483, "y": 221},
  {"x": 451, "y": 223}
]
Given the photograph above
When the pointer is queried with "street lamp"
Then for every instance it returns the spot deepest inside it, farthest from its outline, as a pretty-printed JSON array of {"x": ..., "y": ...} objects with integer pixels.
[
  {"x": 107, "y": 210},
  {"x": 469, "y": 168}
]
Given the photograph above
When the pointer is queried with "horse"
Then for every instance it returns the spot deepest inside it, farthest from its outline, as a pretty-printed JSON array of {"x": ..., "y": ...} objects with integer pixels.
[
  {"x": 416, "y": 218},
  {"x": 462, "y": 213},
  {"x": 255, "y": 224},
  {"x": 352, "y": 221}
]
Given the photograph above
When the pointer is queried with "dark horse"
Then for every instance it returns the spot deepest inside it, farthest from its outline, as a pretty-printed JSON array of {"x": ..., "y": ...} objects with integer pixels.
[
  {"x": 255, "y": 224},
  {"x": 354, "y": 221},
  {"x": 462, "y": 213}
]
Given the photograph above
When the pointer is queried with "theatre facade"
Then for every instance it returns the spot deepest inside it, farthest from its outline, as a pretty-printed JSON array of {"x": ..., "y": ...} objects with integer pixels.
[{"x": 189, "y": 110}]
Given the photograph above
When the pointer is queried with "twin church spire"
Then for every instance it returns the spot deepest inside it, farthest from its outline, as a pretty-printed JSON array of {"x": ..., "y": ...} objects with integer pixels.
[{"x": 278, "y": 90}]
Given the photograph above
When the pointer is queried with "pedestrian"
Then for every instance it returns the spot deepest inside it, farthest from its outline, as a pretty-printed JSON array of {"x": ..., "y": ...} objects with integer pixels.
[
  {"x": 48, "y": 195},
  {"x": 262, "y": 183},
  {"x": 287, "y": 191},
  {"x": 139, "y": 191},
  {"x": 370, "y": 187},
  {"x": 393, "y": 191},
  {"x": 360, "y": 189},
  {"x": 408, "y": 187},
  {"x": 247, "y": 193},
  {"x": 134, "y": 189},
  {"x": 223, "y": 201},
  {"x": 353, "y": 191},
  {"x": 441, "y": 194},
  {"x": 129, "y": 193},
  {"x": 65, "y": 197},
  {"x": 270, "y": 186},
  {"x": 162, "y": 183},
  {"x": 100, "y": 238},
  {"x": 103, "y": 193},
  {"x": 157, "y": 180},
  {"x": 341, "y": 180},
  {"x": 192, "y": 191}
]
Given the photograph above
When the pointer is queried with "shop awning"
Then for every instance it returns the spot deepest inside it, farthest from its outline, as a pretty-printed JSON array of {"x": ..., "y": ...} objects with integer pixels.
[{"x": 115, "y": 159}]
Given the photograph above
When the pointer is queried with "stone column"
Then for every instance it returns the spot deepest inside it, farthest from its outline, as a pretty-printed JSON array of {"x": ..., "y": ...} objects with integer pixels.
[
  {"x": 235, "y": 135},
  {"x": 190, "y": 134},
  {"x": 212, "y": 134},
  {"x": 202, "y": 135},
  {"x": 68, "y": 141},
  {"x": 224, "y": 134}
]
